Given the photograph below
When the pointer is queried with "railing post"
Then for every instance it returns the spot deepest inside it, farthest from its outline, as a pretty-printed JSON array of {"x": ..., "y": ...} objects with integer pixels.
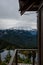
[
  {"x": 34, "y": 55},
  {"x": 16, "y": 57},
  {"x": 0, "y": 57}
]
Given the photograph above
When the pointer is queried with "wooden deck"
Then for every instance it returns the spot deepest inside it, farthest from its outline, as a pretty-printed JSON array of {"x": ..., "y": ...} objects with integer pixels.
[{"x": 23, "y": 64}]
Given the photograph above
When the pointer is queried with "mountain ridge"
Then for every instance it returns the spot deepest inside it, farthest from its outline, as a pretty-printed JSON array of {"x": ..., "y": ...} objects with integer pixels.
[{"x": 20, "y": 38}]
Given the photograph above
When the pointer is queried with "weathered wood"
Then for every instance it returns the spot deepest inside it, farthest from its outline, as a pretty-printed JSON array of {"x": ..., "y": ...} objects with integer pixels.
[
  {"x": 24, "y": 64},
  {"x": 27, "y": 5},
  {"x": 40, "y": 6},
  {"x": 16, "y": 59},
  {"x": 29, "y": 49},
  {"x": 34, "y": 55},
  {"x": 42, "y": 35},
  {"x": 22, "y": 12},
  {"x": 15, "y": 54},
  {"x": 12, "y": 58}
]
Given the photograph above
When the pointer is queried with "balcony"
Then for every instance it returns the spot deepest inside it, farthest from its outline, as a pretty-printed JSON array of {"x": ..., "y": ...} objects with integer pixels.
[{"x": 14, "y": 59}]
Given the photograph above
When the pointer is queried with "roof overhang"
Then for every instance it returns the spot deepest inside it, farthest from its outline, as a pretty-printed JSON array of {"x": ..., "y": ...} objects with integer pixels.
[{"x": 28, "y": 5}]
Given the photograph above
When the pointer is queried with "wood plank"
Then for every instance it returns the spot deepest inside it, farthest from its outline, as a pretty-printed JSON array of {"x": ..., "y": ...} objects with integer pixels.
[{"x": 12, "y": 58}]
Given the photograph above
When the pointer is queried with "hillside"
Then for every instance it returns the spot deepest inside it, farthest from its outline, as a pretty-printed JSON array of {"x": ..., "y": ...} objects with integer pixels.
[{"x": 18, "y": 38}]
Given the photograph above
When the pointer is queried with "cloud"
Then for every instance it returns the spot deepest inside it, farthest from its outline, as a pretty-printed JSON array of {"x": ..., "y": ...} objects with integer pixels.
[
  {"x": 10, "y": 16},
  {"x": 9, "y": 9},
  {"x": 9, "y": 23}
]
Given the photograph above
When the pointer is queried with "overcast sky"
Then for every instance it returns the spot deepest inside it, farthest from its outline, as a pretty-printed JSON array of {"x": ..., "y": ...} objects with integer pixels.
[{"x": 10, "y": 16}]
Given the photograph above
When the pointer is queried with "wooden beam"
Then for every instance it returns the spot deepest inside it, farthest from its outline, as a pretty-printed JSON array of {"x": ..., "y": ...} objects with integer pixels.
[
  {"x": 41, "y": 5},
  {"x": 22, "y": 12},
  {"x": 12, "y": 58},
  {"x": 36, "y": 6}
]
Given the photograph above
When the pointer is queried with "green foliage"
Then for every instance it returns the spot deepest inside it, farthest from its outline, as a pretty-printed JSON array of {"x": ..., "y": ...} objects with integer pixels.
[
  {"x": 20, "y": 60},
  {"x": 29, "y": 55},
  {"x": 7, "y": 59},
  {"x": 3, "y": 63},
  {"x": 27, "y": 60}
]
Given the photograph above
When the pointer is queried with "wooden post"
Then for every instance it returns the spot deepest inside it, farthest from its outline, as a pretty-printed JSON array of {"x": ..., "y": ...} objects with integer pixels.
[
  {"x": 41, "y": 48},
  {"x": 40, "y": 33},
  {"x": 34, "y": 55},
  {"x": 16, "y": 57},
  {"x": 0, "y": 59}
]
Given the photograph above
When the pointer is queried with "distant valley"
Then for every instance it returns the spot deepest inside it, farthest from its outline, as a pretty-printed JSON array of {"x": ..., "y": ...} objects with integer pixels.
[{"x": 18, "y": 38}]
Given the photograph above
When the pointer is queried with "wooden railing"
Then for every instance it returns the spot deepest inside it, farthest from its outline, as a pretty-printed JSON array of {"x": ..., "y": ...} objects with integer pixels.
[
  {"x": 15, "y": 56},
  {"x": 12, "y": 58}
]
